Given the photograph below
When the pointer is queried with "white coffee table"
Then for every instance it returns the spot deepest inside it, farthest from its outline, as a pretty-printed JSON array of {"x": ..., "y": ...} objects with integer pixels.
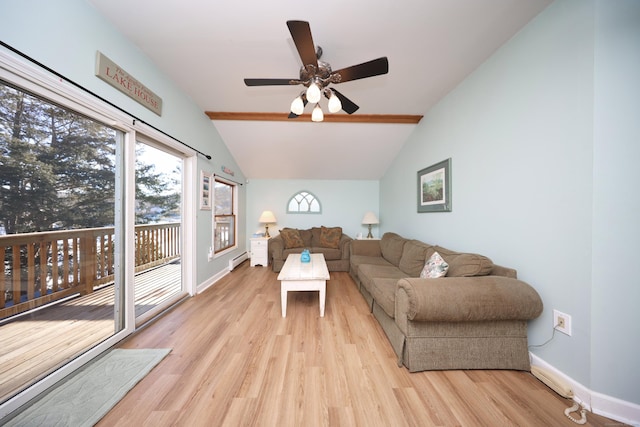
[{"x": 303, "y": 276}]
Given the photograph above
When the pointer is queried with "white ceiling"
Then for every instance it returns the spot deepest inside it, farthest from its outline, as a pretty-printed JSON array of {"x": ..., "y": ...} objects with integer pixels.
[{"x": 207, "y": 47}]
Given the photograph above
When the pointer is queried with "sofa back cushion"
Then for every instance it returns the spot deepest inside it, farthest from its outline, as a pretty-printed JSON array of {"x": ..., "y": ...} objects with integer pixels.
[
  {"x": 465, "y": 264},
  {"x": 315, "y": 236},
  {"x": 391, "y": 246},
  {"x": 306, "y": 237},
  {"x": 414, "y": 255}
]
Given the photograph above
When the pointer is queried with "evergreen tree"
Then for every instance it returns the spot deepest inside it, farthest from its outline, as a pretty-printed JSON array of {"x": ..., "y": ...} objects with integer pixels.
[
  {"x": 57, "y": 169},
  {"x": 154, "y": 199}
]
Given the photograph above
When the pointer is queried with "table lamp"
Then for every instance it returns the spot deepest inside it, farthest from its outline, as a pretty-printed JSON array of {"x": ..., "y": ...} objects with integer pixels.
[
  {"x": 369, "y": 219},
  {"x": 267, "y": 218}
]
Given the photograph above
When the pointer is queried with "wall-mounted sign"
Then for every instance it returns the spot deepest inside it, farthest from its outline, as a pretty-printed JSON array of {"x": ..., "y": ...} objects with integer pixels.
[
  {"x": 111, "y": 73},
  {"x": 227, "y": 171}
]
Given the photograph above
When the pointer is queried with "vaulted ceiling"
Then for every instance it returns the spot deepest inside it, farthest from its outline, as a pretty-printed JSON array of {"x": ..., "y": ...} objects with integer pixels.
[{"x": 208, "y": 47}]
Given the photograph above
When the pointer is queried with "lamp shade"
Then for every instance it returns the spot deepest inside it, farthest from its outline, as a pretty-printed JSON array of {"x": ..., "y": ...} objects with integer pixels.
[
  {"x": 334, "y": 103},
  {"x": 313, "y": 93},
  {"x": 297, "y": 106},
  {"x": 267, "y": 217},
  {"x": 370, "y": 218},
  {"x": 317, "y": 115}
]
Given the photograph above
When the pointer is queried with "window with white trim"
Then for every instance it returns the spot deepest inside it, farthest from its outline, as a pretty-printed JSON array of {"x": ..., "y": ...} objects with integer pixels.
[
  {"x": 304, "y": 202},
  {"x": 225, "y": 224}
]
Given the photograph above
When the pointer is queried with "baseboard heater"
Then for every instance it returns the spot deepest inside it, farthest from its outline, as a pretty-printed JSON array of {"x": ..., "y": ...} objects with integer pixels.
[{"x": 234, "y": 262}]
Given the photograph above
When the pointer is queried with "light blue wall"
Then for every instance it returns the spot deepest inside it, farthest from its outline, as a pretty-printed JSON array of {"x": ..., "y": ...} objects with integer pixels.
[
  {"x": 65, "y": 35},
  {"x": 544, "y": 143},
  {"x": 615, "y": 332},
  {"x": 537, "y": 189},
  {"x": 344, "y": 203}
]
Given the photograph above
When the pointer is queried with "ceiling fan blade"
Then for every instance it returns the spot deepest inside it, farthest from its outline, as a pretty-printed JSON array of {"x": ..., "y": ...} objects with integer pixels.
[
  {"x": 301, "y": 34},
  {"x": 348, "y": 106},
  {"x": 267, "y": 82},
  {"x": 372, "y": 68}
]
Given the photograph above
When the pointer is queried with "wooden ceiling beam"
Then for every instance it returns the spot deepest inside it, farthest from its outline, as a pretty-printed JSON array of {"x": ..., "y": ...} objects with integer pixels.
[{"x": 331, "y": 118}]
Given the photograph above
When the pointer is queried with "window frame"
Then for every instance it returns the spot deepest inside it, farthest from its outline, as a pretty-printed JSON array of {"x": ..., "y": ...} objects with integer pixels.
[
  {"x": 234, "y": 214},
  {"x": 310, "y": 197}
]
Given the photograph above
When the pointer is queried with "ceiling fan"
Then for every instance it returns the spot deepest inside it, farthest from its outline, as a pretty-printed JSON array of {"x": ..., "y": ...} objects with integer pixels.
[{"x": 316, "y": 76}]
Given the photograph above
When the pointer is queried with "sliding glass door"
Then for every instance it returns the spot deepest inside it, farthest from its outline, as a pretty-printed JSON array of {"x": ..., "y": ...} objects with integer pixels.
[
  {"x": 92, "y": 228},
  {"x": 61, "y": 218},
  {"x": 158, "y": 229}
]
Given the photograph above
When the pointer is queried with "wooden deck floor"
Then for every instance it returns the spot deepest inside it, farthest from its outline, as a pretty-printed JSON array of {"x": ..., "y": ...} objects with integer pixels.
[{"x": 36, "y": 343}]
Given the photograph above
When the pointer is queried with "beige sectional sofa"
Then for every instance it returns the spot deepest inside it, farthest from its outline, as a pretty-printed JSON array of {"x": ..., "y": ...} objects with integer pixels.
[
  {"x": 329, "y": 241},
  {"x": 475, "y": 317}
]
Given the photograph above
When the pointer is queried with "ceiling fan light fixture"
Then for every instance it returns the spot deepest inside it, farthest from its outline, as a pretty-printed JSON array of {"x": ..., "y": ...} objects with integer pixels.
[
  {"x": 334, "y": 103},
  {"x": 316, "y": 75},
  {"x": 313, "y": 93},
  {"x": 297, "y": 106},
  {"x": 317, "y": 115}
]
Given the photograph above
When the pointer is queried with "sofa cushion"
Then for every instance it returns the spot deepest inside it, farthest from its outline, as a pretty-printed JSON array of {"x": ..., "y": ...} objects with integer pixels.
[
  {"x": 306, "y": 237},
  {"x": 329, "y": 253},
  {"x": 330, "y": 237},
  {"x": 291, "y": 238},
  {"x": 366, "y": 247},
  {"x": 465, "y": 264},
  {"x": 357, "y": 260},
  {"x": 315, "y": 236},
  {"x": 434, "y": 267},
  {"x": 391, "y": 246},
  {"x": 368, "y": 272},
  {"x": 414, "y": 254},
  {"x": 383, "y": 292}
]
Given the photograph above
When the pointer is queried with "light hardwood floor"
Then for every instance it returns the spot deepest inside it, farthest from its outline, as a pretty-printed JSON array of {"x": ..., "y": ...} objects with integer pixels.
[
  {"x": 236, "y": 362},
  {"x": 35, "y": 344}
]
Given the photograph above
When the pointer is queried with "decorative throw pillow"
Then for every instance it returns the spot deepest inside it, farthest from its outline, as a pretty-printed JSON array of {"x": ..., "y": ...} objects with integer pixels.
[
  {"x": 434, "y": 267},
  {"x": 291, "y": 238},
  {"x": 330, "y": 237}
]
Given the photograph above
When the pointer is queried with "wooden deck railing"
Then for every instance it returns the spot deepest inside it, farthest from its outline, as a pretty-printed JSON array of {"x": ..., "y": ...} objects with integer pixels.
[
  {"x": 38, "y": 268},
  {"x": 223, "y": 238}
]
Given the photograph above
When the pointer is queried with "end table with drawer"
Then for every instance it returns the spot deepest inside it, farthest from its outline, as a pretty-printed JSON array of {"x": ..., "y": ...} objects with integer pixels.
[{"x": 259, "y": 251}]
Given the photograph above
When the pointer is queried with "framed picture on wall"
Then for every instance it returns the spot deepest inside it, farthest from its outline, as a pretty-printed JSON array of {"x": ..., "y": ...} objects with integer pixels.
[
  {"x": 434, "y": 188},
  {"x": 205, "y": 191}
]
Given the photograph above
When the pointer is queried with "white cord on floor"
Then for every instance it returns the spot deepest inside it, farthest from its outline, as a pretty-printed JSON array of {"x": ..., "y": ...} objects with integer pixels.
[{"x": 574, "y": 408}]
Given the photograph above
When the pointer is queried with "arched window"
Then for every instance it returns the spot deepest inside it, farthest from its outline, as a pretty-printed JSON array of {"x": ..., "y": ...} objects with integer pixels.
[{"x": 304, "y": 202}]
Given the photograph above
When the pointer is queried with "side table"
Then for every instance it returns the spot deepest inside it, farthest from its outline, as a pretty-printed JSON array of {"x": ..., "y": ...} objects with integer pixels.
[{"x": 259, "y": 251}]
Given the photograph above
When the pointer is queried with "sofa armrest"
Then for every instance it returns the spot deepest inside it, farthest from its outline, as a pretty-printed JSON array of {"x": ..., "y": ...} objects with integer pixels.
[
  {"x": 499, "y": 270},
  {"x": 466, "y": 299},
  {"x": 276, "y": 247},
  {"x": 366, "y": 248},
  {"x": 345, "y": 246}
]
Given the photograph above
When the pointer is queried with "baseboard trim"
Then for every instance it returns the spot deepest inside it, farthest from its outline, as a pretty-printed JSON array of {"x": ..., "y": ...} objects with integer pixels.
[
  {"x": 212, "y": 280},
  {"x": 616, "y": 409},
  {"x": 598, "y": 403}
]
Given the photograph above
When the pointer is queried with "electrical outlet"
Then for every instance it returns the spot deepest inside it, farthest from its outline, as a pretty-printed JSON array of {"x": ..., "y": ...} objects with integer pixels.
[{"x": 562, "y": 322}]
